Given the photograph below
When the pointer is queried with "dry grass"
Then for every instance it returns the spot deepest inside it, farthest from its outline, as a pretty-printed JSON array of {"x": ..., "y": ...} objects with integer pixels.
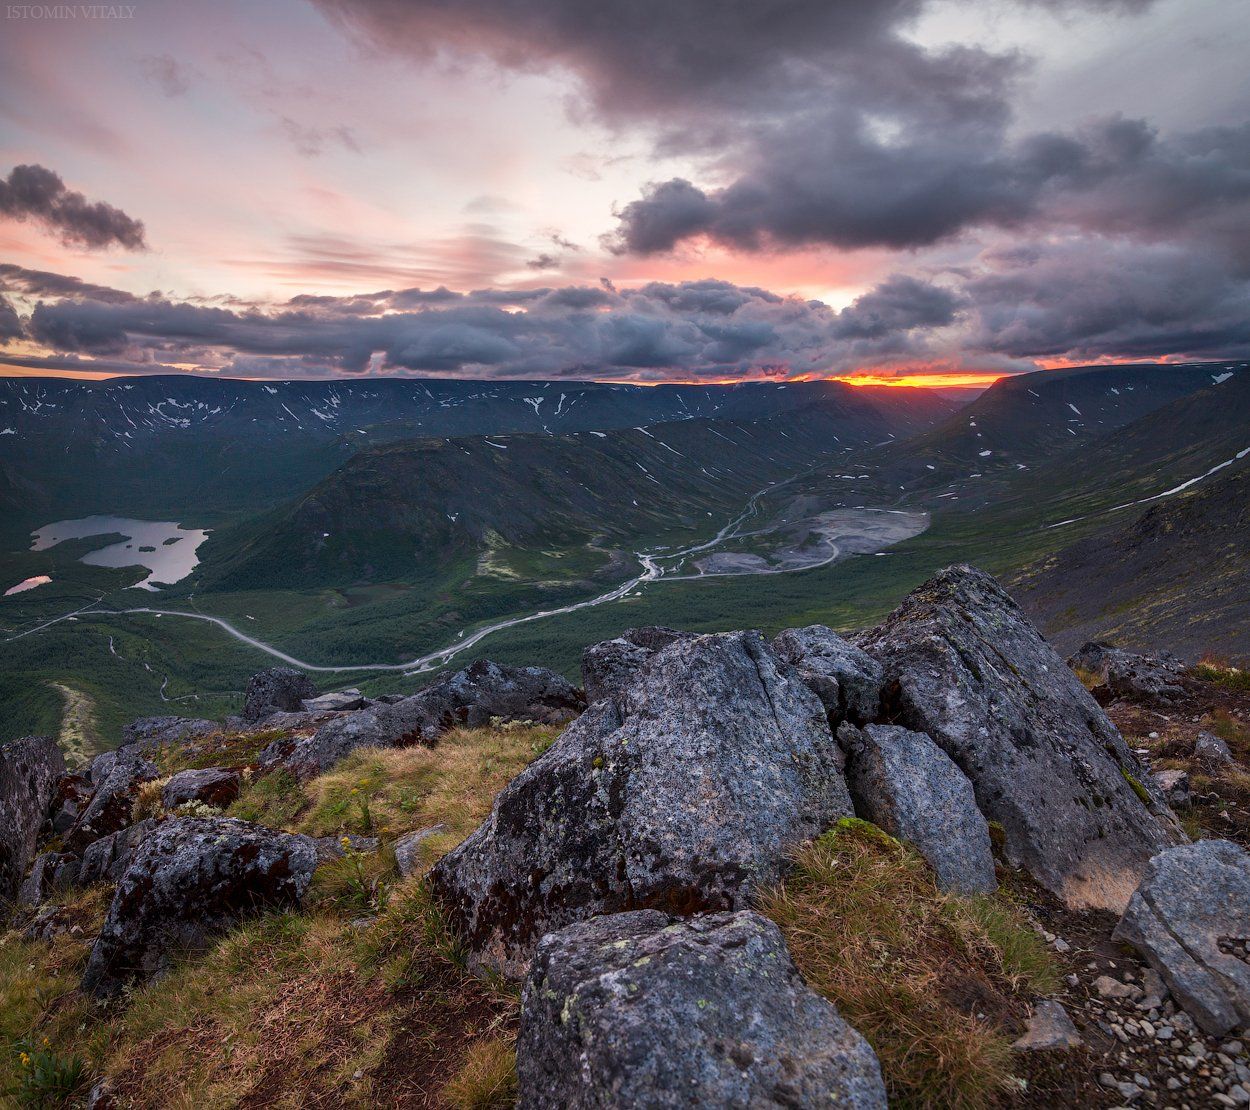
[
  {"x": 909, "y": 967},
  {"x": 487, "y": 1078},
  {"x": 147, "y": 801},
  {"x": 1091, "y": 680}
]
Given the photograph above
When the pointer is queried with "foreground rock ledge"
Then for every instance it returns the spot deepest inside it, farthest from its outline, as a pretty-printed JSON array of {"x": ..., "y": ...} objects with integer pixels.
[
  {"x": 682, "y": 794},
  {"x": 191, "y": 879},
  {"x": 639, "y": 1010},
  {"x": 1077, "y": 809},
  {"x": 1190, "y": 919},
  {"x": 30, "y": 769}
]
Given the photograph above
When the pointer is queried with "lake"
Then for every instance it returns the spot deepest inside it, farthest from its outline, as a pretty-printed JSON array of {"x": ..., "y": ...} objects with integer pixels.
[{"x": 166, "y": 548}]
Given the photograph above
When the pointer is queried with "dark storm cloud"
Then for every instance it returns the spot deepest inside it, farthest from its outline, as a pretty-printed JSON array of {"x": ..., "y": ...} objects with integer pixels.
[
  {"x": 10, "y": 325},
  {"x": 36, "y": 193},
  {"x": 43, "y": 283}
]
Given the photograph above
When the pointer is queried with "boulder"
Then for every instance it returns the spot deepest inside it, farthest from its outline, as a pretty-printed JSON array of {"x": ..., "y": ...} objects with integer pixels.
[
  {"x": 30, "y": 769},
  {"x": 190, "y": 880},
  {"x": 276, "y": 689},
  {"x": 847, "y": 680},
  {"x": 1127, "y": 674},
  {"x": 214, "y": 786},
  {"x": 72, "y": 796},
  {"x": 610, "y": 666},
  {"x": 51, "y": 872},
  {"x": 471, "y": 697},
  {"x": 112, "y": 806},
  {"x": 1211, "y": 751},
  {"x": 338, "y": 701},
  {"x": 156, "y": 732},
  {"x": 904, "y": 783},
  {"x": 1174, "y": 785},
  {"x": 1190, "y": 919},
  {"x": 106, "y": 860},
  {"x": 408, "y": 848},
  {"x": 641, "y": 1010},
  {"x": 1048, "y": 1028},
  {"x": 1077, "y": 809},
  {"x": 684, "y": 794}
]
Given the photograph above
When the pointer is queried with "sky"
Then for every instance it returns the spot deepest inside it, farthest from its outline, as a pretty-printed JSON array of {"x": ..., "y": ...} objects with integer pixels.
[{"x": 651, "y": 190}]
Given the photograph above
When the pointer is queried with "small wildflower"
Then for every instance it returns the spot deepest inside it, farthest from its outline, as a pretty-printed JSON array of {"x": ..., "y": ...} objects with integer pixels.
[
  {"x": 346, "y": 841},
  {"x": 46, "y": 1042},
  {"x": 355, "y": 791},
  {"x": 25, "y": 1059}
]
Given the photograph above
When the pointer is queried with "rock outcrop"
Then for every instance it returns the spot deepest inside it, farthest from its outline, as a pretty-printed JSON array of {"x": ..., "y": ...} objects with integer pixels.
[
  {"x": 904, "y": 783},
  {"x": 276, "y": 689},
  {"x": 107, "y": 859},
  {"x": 1127, "y": 674},
  {"x": 337, "y": 701},
  {"x": 639, "y": 1010},
  {"x": 847, "y": 680},
  {"x": 1190, "y": 919},
  {"x": 408, "y": 848},
  {"x": 191, "y": 879},
  {"x": 610, "y": 666},
  {"x": 72, "y": 796},
  {"x": 30, "y": 769},
  {"x": 156, "y": 732},
  {"x": 112, "y": 805},
  {"x": 681, "y": 795},
  {"x": 471, "y": 697},
  {"x": 51, "y": 872},
  {"x": 1211, "y": 751},
  {"x": 214, "y": 786},
  {"x": 1076, "y": 807}
]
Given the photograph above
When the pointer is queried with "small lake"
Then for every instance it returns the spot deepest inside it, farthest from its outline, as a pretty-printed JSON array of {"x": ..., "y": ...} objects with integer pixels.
[{"x": 167, "y": 549}]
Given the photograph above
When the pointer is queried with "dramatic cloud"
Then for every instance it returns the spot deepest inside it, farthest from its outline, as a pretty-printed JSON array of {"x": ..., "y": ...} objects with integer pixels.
[
  {"x": 10, "y": 325},
  {"x": 36, "y": 193}
]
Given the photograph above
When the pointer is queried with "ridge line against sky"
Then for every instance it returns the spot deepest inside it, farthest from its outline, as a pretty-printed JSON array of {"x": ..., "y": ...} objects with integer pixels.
[{"x": 645, "y": 191}]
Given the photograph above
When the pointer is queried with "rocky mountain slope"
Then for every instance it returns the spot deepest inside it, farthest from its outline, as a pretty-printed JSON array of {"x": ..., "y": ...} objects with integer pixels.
[{"x": 903, "y": 869}]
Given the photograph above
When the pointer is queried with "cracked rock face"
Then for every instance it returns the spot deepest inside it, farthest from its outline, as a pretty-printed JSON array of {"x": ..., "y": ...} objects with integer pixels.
[
  {"x": 641, "y": 1010},
  {"x": 30, "y": 770},
  {"x": 904, "y": 783},
  {"x": 276, "y": 689},
  {"x": 214, "y": 786},
  {"x": 1190, "y": 919},
  {"x": 190, "y": 880},
  {"x": 1128, "y": 674},
  {"x": 112, "y": 805},
  {"x": 847, "y": 681},
  {"x": 682, "y": 795},
  {"x": 609, "y": 667},
  {"x": 152, "y": 732},
  {"x": 1077, "y": 809}
]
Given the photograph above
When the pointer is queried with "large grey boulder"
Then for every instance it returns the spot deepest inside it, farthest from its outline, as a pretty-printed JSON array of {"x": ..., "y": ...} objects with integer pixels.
[
  {"x": 30, "y": 769},
  {"x": 112, "y": 806},
  {"x": 337, "y": 701},
  {"x": 190, "y": 880},
  {"x": 610, "y": 666},
  {"x": 847, "y": 680},
  {"x": 51, "y": 872},
  {"x": 640, "y": 1010},
  {"x": 904, "y": 783},
  {"x": 276, "y": 689},
  {"x": 1117, "y": 673},
  {"x": 471, "y": 697},
  {"x": 156, "y": 732},
  {"x": 106, "y": 860},
  {"x": 1211, "y": 751},
  {"x": 1190, "y": 919},
  {"x": 683, "y": 794},
  {"x": 214, "y": 786},
  {"x": 1077, "y": 809}
]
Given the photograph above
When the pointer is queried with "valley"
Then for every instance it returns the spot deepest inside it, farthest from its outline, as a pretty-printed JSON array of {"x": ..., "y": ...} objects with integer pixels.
[{"x": 523, "y": 544}]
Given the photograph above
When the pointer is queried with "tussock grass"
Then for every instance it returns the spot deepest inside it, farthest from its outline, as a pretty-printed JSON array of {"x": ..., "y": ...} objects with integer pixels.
[
  {"x": 911, "y": 967},
  {"x": 275, "y": 800},
  {"x": 486, "y": 1079},
  {"x": 1222, "y": 673}
]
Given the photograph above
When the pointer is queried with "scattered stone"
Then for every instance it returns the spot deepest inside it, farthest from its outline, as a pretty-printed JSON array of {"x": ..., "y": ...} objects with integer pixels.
[
  {"x": 1211, "y": 751},
  {"x": 112, "y": 806},
  {"x": 639, "y": 1010},
  {"x": 276, "y": 689},
  {"x": 1128, "y": 674},
  {"x": 30, "y": 769},
  {"x": 1174, "y": 786},
  {"x": 1193, "y": 902},
  {"x": 847, "y": 681},
  {"x": 330, "y": 848},
  {"x": 965, "y": 666},
  {"x": 1113, "y": 988},
  {"x": 408, "y": 848},
  {"x": 610, "y": 667},
  {"x": 148, "y": 733},
  {"x": 904, "y": 783},
  {"x": 190, "y": 880},
  {"x": 106, "y": 859},
  {"x": 51, "y": 872},
  {"x": 338, "y": 701},
  {"x": 1156, "y": 990},
  {"x": 1048, "y": 1028},
  {"x": 214, "y": 786},
  {"x": 684, "y": 794}
]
